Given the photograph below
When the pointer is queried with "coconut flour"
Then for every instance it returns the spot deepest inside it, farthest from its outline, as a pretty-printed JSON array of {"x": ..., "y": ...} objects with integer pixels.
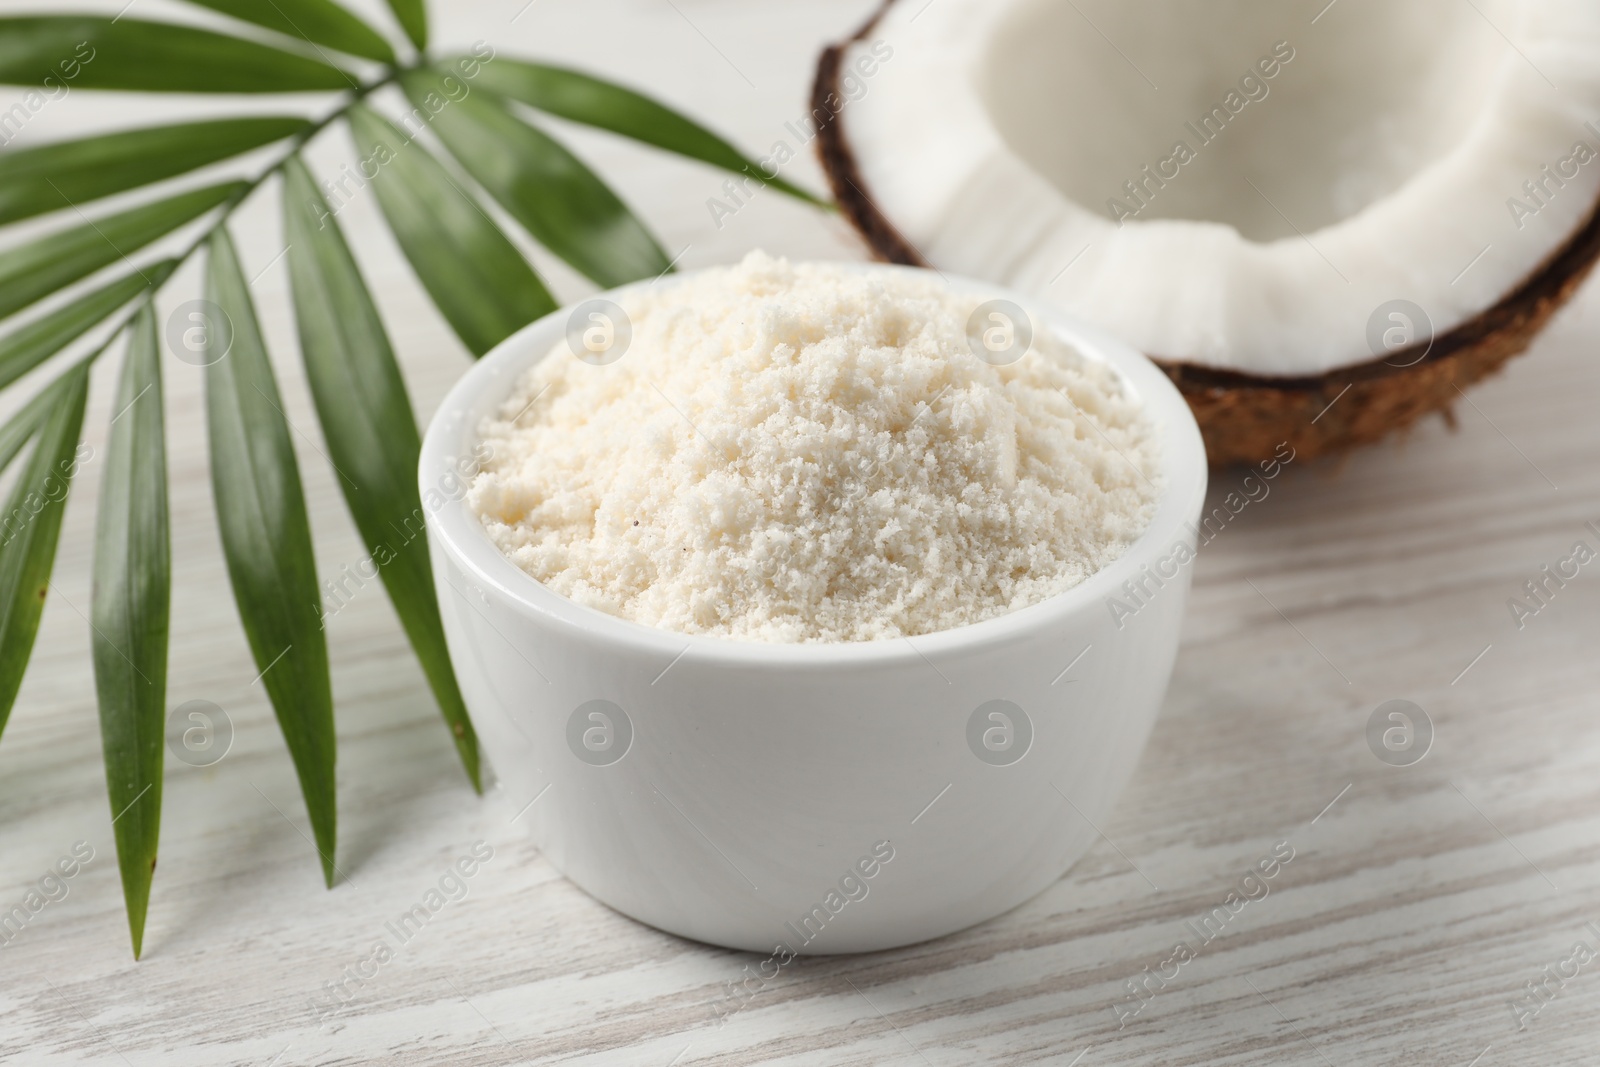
[{"x": 807, "y": 453}]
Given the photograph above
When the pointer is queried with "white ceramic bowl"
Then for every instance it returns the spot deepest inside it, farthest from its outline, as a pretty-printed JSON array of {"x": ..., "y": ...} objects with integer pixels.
[{"x": 822, "y": 797}]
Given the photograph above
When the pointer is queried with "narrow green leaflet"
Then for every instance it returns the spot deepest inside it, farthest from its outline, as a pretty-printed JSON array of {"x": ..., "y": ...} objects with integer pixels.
[
  {"x": 482, "y": 284},
  {"x": 266, "y": 537},
  {"x": 59, "y": 53},
  {"x": 316, "y": 21},
  {"x": 40, "y": 267},
  {"x": 132, "y": 595},
  {"x": 608, "y": 106},
  {"x": 28, "y": 346},
  {"x": 69, "y": 173},
  {"x": 561, "y": 201},
  {"x": 371, "y": 432},
  {"x": 19, "y": 429},
  {"x": 30, "y": 524},
  {"x": 413, "y": 18}
]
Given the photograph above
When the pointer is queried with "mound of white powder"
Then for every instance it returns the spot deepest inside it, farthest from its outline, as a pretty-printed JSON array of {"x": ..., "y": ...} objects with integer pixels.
[{"x": 801, "y": 453}]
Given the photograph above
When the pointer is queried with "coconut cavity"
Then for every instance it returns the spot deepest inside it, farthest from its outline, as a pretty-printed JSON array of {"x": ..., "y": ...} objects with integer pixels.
[
  {"x": 1238, "y": 111},
  {"x": 1424, "y": 180},
  {"x": 1108, "y": 155}
]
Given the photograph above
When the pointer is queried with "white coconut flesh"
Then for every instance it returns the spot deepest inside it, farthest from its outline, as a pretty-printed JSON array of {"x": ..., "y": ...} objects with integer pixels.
[{"x": 1381, "y": 160}]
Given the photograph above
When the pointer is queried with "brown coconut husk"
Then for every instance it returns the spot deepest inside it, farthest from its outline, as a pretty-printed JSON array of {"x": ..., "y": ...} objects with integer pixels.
[{"x": 1244, "y": 418}]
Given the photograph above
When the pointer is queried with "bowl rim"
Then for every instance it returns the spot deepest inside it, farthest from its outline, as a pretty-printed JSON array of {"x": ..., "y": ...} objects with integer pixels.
[{"x": 456, "y": 530}]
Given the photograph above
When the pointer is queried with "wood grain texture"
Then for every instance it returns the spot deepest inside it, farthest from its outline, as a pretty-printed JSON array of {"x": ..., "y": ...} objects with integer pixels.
[{"x": 1414, "y": 911}]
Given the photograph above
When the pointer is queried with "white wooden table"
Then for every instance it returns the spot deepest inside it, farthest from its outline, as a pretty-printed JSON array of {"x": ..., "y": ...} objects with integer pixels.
[{"x": 1419, "y": 902}]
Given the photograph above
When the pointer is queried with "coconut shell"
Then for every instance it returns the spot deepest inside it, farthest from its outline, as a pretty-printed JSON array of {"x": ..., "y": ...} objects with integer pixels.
[{"x": 1242, "y": 417}]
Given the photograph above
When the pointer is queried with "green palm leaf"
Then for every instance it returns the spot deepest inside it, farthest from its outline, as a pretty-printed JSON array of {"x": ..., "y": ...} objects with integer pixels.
[
  {"x": 58, "y": 53},
  {"x": 470, "y": 267},
  {"x": 28, "y": 346},
  {"x": 132, "y": 594},
  {"x": 413, "y": 18},
  {"x": 549, "y": 190},
  {"x": 371, "y": 432},
  {"x": 580, "y": 98},
  {"x": 266, "y": 538},
  {"x": 30, "y": 526},
  {"x": 40, "y": 267},
  {"x": 316, "y": 21},
  {"x": 56, "y": 176},
  {"x": 476, "y": 276}
]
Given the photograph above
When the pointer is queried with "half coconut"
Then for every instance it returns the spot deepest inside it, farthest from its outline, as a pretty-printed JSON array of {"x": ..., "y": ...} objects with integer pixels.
[{"x": 1321, "y": 218}]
